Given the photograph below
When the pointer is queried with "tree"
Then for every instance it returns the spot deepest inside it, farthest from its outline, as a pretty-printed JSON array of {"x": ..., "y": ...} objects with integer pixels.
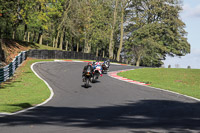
[
  {"x": 156, "y": 25},
  {"x": 111, "y": 44},
  {"x": 124, "y": 5}
]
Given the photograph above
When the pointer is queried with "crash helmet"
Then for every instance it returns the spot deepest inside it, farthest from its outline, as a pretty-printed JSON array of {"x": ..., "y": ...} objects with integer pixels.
[{"x": 89, "y": 63}]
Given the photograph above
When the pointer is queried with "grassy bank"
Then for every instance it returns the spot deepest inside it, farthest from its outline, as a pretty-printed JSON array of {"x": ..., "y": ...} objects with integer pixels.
[
  {"x": 184, "y": 81},
  {"x": 24, "y": 90}
]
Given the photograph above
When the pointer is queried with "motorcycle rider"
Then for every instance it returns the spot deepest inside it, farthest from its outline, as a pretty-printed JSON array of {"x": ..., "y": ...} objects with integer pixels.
[
  {"x": 87, "y": 68},
  {"x": 107, "y": 64},
  {"x": 97, "y": 66}
]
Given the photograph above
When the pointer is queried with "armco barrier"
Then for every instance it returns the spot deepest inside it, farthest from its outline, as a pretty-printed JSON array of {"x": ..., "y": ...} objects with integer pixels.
[
  {"x": 58, "y": 54},
  {"x": 9, "y": 70}
]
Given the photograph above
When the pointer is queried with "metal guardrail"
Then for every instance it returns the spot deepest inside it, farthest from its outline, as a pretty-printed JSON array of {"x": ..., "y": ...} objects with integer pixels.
[
  {"x": 9, "y": 70},
  {"x": 58, "y": 54}
]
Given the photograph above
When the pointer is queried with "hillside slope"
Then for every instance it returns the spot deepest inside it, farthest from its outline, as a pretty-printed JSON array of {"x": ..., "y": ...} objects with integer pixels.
[{"x": 11, "y": 48}]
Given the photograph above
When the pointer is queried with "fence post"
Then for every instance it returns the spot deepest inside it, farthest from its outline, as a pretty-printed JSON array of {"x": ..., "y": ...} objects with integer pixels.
[{"x": 1, "y": 75}]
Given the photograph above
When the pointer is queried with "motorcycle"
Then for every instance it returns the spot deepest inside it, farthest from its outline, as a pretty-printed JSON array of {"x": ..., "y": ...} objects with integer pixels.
[
  {"x": 87, "y": 77},
  {"x": 105, "y": 67},
  {"x": 96, "y": 73}
]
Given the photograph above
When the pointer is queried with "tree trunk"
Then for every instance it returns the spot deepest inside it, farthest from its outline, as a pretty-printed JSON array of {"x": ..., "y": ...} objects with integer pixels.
[
  {"x": 35, "y": 37},
  {"x": 54, "y": 42},
  {"x": 40, "y": 36},
  {"x": 25, "y": 36},
  {"x": 111, "y": 44},
  {"x": 28, "y": 38},
  {"x": 61, "y": 40},
  {"x": 13, "y": 35},
  {"x": 25, "y": 32},
  {"x": 40, "y": 40},
  {"x": 122, "y": 33},
  {"x": 97, "y": 52},
  {"x": 138, "y": 61},
  {"x": 103, "y": 53},
  {"x": 77, "y": 47},
  {"x": 87, "y": 47},
  {"x": 86, "y": 44},
  {"x": 66, "y": 47}
]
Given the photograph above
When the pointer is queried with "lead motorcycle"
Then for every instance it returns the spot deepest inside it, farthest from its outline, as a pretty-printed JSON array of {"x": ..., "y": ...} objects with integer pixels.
[{"x": 105, "y": 66}]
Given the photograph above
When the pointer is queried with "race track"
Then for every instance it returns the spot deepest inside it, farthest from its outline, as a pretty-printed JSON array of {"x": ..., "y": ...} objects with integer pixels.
[{"x": 109, "y": 106}]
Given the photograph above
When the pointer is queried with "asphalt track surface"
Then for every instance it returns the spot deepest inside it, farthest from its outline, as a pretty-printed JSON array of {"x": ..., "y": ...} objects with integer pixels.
[{"x": 109, "y": 106}]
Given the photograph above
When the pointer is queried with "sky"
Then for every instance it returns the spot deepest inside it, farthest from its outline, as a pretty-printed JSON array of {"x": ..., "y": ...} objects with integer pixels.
[{"x": 191, "y": 17}]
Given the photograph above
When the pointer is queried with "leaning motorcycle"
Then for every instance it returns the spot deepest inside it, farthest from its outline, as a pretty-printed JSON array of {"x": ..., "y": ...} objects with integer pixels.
[
  {"x": 96, "y": 73},
  {"x": 105, "y": 66},
  {"x": 87, "y": 78}
]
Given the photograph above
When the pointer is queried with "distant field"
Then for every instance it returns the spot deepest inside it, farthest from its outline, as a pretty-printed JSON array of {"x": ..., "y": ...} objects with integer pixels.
[{"x": 184, "y": 81}]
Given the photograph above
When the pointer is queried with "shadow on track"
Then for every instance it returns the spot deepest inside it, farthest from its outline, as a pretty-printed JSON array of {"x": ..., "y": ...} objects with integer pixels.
[{"x": 144, "y": 114}]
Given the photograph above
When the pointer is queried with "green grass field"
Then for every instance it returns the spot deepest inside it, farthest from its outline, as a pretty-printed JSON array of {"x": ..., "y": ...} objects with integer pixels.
[
  {"x": 184, "y": 81},
  {"x": 24, "y": 90},
  {"x": 39, "y": 46}
]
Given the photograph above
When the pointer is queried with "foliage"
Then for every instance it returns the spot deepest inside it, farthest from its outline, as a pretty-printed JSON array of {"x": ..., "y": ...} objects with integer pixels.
[
  {"x": 152, "y": 28},
  {"x": 156, "y": 27}
]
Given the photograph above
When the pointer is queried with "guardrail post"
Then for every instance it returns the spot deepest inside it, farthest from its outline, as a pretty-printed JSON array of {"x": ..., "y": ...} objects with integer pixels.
[{"x": 1, "y": 75}]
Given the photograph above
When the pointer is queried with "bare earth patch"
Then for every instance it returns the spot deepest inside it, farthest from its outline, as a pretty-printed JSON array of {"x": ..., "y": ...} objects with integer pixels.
[{"x": 12, "y": 49}]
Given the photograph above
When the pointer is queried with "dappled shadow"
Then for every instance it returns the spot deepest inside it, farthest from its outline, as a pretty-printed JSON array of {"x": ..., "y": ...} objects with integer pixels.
[
  {"x": 27, "y": 72},
  {"x": 21, "y": 105},
  {"x": 12, "y": 43},
  {"x": 9, "y": 83},
  {"x": 145, "y": 114},
  {"x": 27, "y": 44}
]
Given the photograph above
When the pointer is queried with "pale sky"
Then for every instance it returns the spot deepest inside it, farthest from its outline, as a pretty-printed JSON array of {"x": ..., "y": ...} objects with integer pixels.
[{"x": 191, "y": 17}]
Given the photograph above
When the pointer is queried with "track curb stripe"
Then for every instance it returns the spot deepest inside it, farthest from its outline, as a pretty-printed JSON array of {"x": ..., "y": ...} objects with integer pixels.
[{"x": 114, "y": 75}]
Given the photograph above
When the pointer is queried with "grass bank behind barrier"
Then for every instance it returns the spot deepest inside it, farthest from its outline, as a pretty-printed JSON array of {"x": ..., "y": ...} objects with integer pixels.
[
  {"x": 183, "y": 81},
  {"x": 24, "y": 90}
]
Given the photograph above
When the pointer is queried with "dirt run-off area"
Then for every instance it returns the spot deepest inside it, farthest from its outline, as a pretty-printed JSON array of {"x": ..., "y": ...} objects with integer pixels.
[{"x": 11, "y": 48}]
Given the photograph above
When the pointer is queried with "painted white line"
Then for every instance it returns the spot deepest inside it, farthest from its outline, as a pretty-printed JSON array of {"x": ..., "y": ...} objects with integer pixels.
[
  {"x": 50, "y": 97},
  {"x": 59, "y": 60},
  {"x": 143, "y": 84}
]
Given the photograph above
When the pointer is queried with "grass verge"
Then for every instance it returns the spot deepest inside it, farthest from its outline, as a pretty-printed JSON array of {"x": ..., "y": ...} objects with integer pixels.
[
  {"x": 183, "y": 81},
  {"x": 23, "y": 90},
  {"x": 41, "y": 46}
]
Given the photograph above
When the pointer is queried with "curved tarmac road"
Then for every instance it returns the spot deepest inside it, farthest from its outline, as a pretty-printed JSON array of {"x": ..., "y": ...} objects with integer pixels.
[{"x": 109, "y": 106}]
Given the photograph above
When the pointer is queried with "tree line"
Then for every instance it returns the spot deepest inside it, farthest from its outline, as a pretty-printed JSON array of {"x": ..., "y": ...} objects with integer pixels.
[{"x": 142, "y": 31}]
